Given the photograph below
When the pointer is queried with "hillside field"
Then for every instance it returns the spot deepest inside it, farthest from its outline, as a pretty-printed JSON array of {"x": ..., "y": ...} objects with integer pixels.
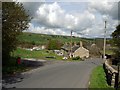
[{"x": 42, "y": 39}]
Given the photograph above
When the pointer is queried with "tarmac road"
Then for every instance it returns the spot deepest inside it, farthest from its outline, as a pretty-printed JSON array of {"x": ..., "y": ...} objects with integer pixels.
[{"x": 59, "y": 75}]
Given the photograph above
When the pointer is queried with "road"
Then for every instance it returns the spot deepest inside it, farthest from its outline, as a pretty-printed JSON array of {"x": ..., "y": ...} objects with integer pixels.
[{"x": 59, "y": 75}]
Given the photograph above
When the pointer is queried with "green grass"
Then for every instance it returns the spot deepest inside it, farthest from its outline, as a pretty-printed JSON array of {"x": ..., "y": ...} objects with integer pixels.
[
  {"x": 98, "y": 79},
  {"x": 42, "y": 39},
  {"x": 42, "y": 54},
  {"x": 110, "y": 52}
]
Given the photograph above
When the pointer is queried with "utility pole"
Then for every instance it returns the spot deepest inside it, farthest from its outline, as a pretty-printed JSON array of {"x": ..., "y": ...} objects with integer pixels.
[
  {"x": 104, "y": 41},
  {"x": 94, "y": 40},
  {"x": 71, "y": 45}
]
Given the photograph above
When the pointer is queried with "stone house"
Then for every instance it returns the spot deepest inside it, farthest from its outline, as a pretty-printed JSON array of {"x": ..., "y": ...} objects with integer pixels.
[
  {"x": 77, "y": 50},
  {"x": 80, "y": 51},
  {"x": 66, "y": 50}
]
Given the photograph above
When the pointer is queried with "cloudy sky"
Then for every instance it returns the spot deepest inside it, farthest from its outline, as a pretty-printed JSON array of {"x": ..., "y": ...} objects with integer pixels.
[{"x": 59, "y": 18}]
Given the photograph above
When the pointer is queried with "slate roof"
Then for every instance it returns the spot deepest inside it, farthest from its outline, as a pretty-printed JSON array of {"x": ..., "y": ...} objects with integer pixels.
[
  {"x": 68, "y": 48},
  {"x": 74, "y": 48}
]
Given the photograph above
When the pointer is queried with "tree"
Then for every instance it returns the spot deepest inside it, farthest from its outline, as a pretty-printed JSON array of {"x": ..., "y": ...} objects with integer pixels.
[
  {"x": 54, "y": 44},
  {"x": 116, "y": 41},
  {"x": 14, "y": 20},
  {"x": 99, "y": 42}
]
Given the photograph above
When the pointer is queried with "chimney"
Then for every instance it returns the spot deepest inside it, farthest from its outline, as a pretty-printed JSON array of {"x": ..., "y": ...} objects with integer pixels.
[
  {"x": 75, "y": 44},
  {"x": 66, "y": 43},
  {"x": 81, "y": 44},
  {"x": 69, "y": 43}
]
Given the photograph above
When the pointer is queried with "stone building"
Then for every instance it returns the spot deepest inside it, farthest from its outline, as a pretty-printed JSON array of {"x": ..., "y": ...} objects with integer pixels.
[
  {"x": 77, "y": 50},
  {"x": 80, "y": 51}
]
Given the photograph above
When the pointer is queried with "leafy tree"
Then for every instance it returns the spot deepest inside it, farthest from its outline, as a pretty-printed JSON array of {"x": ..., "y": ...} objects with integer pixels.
[
  {"x": 54, "y": 44},
  {"x": 116, "y": 41},
  {"x": 14, "y": 20},
  {"x": 94, "y": 50},
  {"x": 33, "y": 42},
  {"x": 99, "y": 42}
]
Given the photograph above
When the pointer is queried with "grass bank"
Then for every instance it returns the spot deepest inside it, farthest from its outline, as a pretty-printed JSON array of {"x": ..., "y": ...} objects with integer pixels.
[
  {"x": 98, "y": 79},
  {"x": 12, "y": 67}
]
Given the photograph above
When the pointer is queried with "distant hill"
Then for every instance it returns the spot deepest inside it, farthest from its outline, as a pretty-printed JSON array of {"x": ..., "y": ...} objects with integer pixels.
[{"x": 42, "y": 39}]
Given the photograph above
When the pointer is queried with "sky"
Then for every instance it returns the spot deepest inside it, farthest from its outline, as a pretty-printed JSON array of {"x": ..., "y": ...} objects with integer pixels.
[{"x": 84, "y": 17}]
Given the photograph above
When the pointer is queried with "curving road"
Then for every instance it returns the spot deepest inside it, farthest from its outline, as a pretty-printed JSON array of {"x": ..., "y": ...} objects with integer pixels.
[{"x": 59, "y": 75}]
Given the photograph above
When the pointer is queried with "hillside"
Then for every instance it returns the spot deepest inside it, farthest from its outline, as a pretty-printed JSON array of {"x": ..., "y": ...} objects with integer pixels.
[
  {"x": 42, "y": 39},
  {"x": 28, "y": 40}
]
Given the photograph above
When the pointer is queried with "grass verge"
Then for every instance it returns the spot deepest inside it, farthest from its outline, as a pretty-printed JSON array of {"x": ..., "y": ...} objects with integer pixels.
[
  {"x": 41, "y": 54},
  {"x": 98, "y": 79}
]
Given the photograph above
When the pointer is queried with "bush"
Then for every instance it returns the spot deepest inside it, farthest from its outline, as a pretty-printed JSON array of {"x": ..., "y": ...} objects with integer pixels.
[
  {"x": 116, "y": 42},
  {"x": 33, "y": 42},
  {"x": 76, "y": 58},
  {"x": 54, "y": 45}
]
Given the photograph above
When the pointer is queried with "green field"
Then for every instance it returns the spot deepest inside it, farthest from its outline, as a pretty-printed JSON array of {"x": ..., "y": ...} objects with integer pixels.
[
  {"x": 42, "y": 54},
  {"x": 42, "y": 39},
  {"x": 98, "y": 79}
]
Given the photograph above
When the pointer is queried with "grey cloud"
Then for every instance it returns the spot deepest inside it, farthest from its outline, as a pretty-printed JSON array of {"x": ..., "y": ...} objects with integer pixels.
[
  {"x": 7, "y": 0},
  {"x": 106, "y": 8},
  {"x": 32, "y": 7}
]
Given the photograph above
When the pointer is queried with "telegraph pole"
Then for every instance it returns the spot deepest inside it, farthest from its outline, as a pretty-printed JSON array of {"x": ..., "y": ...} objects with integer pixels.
[
  {"x": 71, "y": 45},
  {"x": 104, "y": 41}
]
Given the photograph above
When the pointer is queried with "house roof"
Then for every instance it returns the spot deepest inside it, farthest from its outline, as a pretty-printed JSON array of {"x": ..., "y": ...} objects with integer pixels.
[
  {"x": 74, "y": 48},
  {"x": 68, "y": 47}
]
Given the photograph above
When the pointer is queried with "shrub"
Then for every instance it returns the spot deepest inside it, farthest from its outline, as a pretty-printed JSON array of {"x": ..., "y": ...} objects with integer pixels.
[
  {"x": 33, "y": 42},
  {"x": 116, "y": 42},
  {"x": 54, "y": 44},
  {"x": 76, "y": 58}
]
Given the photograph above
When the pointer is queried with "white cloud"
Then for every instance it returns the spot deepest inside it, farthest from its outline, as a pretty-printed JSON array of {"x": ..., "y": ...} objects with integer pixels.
[
  {"x": 44, "y": 30},
  {"x": 53, "y": 19},
  {"x": 52, "y": 15},
  {"x": 104, "y": 7}
]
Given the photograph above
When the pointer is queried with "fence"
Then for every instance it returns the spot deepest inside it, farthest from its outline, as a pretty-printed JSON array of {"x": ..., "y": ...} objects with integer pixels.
[{"x": 112, "y": 74}]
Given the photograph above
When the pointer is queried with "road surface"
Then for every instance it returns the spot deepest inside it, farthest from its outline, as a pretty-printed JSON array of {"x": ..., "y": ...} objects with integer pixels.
[{"x": 59, "y": 75}]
